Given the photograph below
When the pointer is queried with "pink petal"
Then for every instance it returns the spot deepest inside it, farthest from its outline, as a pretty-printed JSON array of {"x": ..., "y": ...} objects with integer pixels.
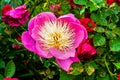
[
  {"x": 16, "y": 13},
  {"x": 35, "y": 32},
  {"x": 44, "y": 17},
  {"x": 41, "y": 52},
  {"x": 28, "y": 41},
  {"x": 68, "y": 18},
  {"x": 65, "y": 64},
  {"x": 81, "y": 33},
  {"x": 62, "y": 55},
  {"x": 31, "y": 25}
]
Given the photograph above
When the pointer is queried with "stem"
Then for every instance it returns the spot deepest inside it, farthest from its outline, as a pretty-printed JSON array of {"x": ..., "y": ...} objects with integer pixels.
[{"x": 106, "y": 64}]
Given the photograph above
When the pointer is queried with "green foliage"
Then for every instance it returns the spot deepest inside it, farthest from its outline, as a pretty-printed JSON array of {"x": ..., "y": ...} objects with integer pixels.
[
  {"x": 10, "y": 69},
  {"x": 81, "y": 2},
  {"x": 99, "y": 40},
  {"x": 1, "y": 77},
  {"x": 117, "y": 65},
  {"x": 2, "y": 64},
  {"x": 114, "y": 44},
  {"x": 77, "y": 69}
]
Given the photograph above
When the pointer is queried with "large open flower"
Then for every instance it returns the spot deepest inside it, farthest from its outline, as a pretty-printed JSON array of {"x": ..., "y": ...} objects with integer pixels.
[{"x": 49, "y": 36}]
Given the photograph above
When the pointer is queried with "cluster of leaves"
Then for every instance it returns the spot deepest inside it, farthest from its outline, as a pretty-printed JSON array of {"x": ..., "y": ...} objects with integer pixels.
[{"x": 106, "y": 38}]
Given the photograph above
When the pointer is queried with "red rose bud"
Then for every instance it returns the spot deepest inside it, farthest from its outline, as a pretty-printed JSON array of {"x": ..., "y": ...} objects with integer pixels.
[
  {"x": 89, "y": 24},
  {"x": 110, "y": 2},
  {"x": 86, "y": 50},
  {"x": 73, "y": 5},
  {"x": 16, "y": 46}
]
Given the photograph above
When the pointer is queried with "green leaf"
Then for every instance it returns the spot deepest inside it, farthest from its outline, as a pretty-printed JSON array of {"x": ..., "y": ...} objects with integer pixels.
[
  {"x": 110, "y": 34},
  {"x": 99, "y": 18},
  {"x": 117, "y": 65},
  {"x": 10, "y": 69},
  {"x": 117, "y": 31},
  {"x": 7, "y": 1},
  {"x": 114, "y": 18},
  {"x": 81, "y": 2},
  {"x": 111, "y": 26},
  {"x": 99, "y": 29},
  {"x": 103, "y": 78},
  {"x": 2, "y": 64},
  {"x": 65, "y": 76},
  {"x": 114, "y": 44},
  {"x": 1, "y": 77},
  {"x": 77, "y": 68},
  {"x": 93, "y": 64},
  {"x": 99, "y": 40}
]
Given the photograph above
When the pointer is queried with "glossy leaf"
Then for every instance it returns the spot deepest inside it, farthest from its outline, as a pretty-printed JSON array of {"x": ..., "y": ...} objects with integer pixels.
[
  {"x": 114, "y": 44},
  {"x": 99, "y": 40},
  {"x": 117, "y": 65},
  {"x": 10, "y": 69}
]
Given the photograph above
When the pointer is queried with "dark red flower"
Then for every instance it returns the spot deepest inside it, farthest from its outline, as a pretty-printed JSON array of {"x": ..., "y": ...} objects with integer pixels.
[
  {"x": 86, "y": 51},
  {"x": 118, "y": 2},
  {"x": 109, "y": 2},
  {"x": 73, "y": 5},
  {"x": 118, "y": 76},
  {"x": 16, "y": 46},
  {"x": 9, "y": 78},
  {"x": 89, "y": 24},
  {"x": 15, "y": 17}
]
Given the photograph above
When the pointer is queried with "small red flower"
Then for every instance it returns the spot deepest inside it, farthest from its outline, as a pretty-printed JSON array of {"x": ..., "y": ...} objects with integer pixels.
[
  {"x": 9, "y": 78},
  {"x": 16, "y": 46},
  {"x": 118, "y": 2},
  {"x": 89, "y": 24},
  {"x": 73, "y": 5},
  {"x": 86, "y": 50},
  {"x": 118, "y": 76},
  {"x": 109, "y": 2}
]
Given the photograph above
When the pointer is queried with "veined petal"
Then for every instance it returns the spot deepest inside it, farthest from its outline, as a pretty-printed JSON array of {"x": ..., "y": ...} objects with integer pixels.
[
  {"x": 43, "y": 17},
  {"x": 62, "y": 54},
  {"x": 68, "y": 18},
  {"x": 65, "y": 64},
  {"x": 81, "y": 34},
  {"x": 41, "y": 52},
  {"x": 31, "y": 25}
]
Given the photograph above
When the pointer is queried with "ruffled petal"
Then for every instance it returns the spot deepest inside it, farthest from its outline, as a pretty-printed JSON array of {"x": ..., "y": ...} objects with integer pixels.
[
  {"x": 81, "y": 33},
  {"x": 28, "y": 41},
  {"x": 65, "y": 64},
  {"x": 62, "y": 54},
  {"x": 68, "y": 18},
  {"x": 44, "y": 17},
  {"x": 31, "y": 25}
]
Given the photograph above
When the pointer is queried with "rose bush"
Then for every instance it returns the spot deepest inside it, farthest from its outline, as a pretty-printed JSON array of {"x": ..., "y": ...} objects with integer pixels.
[{"x": 60, "y": 40}]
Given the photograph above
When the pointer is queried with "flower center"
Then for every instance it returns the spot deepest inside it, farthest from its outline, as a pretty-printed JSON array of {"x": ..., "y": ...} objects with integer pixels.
[{"x": 56, "y": 35}]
